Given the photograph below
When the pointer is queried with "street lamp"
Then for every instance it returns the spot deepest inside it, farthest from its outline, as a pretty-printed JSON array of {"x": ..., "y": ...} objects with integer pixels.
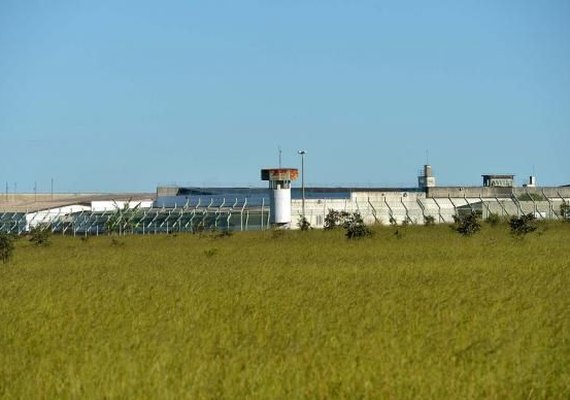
[{"x": 302, "y": 154}]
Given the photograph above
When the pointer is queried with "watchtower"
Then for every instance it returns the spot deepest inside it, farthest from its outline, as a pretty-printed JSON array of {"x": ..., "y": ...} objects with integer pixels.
[{"x": 280, "y": 192}]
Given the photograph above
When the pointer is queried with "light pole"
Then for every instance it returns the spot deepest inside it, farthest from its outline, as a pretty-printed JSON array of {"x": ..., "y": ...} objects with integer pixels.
[{"x": 302, "y": 154}]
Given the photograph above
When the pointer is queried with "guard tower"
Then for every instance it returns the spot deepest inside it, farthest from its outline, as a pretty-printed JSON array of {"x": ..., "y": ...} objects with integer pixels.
[
  {"x": 426, "y": 179},
  {"x": 280, "y": 192}
]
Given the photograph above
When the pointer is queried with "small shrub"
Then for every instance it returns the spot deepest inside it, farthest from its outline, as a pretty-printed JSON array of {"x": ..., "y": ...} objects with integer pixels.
[
  {"x": 393, "y": 221},
  {"x": 40, "y": 235},
  {"x": 335, "y": 219},
  {"x": 6, "y": 247},
  {"x": 468, "y": 224},
  {"x": 522, "y": 225},
  {"x": 304, "y": 224},
  {"x": 355, "y": 227},
  {"x": 429, "y": 220},
  {"x": 565, "y": 211},
  {"x": 493, "y": 219}
]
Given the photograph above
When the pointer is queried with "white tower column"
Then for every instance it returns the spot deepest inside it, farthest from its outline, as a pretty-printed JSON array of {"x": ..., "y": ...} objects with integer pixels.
[{"x": 280, "y": 193}]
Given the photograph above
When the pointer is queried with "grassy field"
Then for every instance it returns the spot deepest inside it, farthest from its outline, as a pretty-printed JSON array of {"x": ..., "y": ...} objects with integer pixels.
[{"x": 425, "y": 313}]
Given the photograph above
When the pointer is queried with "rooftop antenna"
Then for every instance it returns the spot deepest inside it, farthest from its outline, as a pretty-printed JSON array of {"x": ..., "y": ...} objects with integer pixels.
[
  {"x": 427, "y": 156},
  {"x": 279, "y": 149}
]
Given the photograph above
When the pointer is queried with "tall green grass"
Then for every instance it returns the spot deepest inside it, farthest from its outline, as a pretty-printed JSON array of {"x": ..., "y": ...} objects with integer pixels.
[{"x": 421, "y": 313}]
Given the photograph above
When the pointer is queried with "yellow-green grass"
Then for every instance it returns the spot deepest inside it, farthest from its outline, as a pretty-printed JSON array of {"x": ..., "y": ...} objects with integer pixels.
[{"x": 425, "y": 313}]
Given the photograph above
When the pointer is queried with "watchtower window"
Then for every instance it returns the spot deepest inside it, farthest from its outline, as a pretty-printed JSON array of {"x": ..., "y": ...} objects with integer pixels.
[{"x": 280, "y": 184}]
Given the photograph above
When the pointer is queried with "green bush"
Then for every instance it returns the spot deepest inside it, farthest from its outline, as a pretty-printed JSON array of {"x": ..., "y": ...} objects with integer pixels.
[
  {"x": 355, "y": 227},
  {"x": 523, "y": 224},
  {"x": 304, "y": 224},
  {"x": 6, "y": 247},
  {"x": 468, "y": 224},
  {"x": 429, "y": 220},
  {"x": 40, "y": 235},
  {"x": 335, "y": 219},
  {"x": 565, "y": 210}
]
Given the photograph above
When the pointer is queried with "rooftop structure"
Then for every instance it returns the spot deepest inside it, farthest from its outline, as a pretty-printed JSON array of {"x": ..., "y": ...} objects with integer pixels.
[
  {"x": 499, "y": 180},
  {"x": 426, "y": 179}
]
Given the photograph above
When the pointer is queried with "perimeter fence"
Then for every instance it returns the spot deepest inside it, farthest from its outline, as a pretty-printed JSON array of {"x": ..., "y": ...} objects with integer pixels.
[
  {"x": 241, "y": 215},
  {"x": 228, "y": 216},
  {"x": 413, "y": 209}
]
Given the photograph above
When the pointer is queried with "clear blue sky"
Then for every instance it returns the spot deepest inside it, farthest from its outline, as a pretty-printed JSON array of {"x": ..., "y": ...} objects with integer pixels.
[{"x": 124, "y": 95}]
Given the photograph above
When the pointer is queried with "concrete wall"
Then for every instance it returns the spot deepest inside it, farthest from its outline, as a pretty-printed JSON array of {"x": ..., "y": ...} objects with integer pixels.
[
  {"x": 456, "y": 191},
  {"x": 413, "y": 207},
  {"x": 493, "y": 192}
]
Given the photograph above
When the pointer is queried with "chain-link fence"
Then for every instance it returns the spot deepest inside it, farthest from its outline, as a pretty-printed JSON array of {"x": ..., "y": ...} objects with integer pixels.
[{"x": 242, "y": 215}]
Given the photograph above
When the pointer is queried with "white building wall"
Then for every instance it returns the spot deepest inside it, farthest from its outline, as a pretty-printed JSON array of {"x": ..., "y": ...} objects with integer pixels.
[
  {"x": 379, "y": 207},
  {"x": 413, "y": 207},
  {"x": 34, "y": 219}
]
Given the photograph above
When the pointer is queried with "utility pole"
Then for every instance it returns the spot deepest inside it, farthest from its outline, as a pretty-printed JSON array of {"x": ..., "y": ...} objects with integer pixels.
[{"x": 302, "y": 154}]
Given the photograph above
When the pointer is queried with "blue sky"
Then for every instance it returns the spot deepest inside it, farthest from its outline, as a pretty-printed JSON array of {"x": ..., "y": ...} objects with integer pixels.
[{"x": 126, "y": 95}]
